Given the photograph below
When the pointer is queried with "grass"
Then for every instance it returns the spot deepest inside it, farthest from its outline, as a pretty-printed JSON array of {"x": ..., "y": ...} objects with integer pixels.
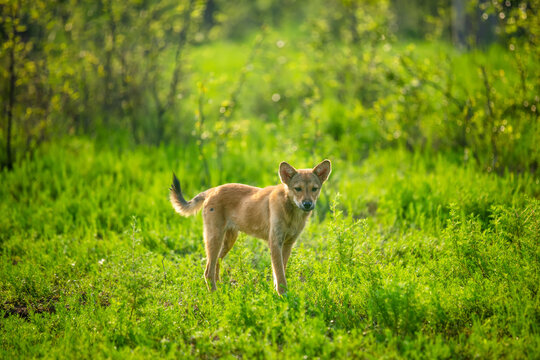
[
  {"x": 418, "y": 248},
  {"x": 406, "y": 256}
]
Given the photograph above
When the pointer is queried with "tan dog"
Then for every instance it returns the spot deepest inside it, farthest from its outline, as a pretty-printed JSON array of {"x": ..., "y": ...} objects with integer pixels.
[{"x": 276, "y": 214}]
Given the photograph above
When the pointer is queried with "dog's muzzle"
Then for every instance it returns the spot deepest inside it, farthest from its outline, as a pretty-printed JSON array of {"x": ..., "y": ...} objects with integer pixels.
[{"x": 307, "y": 205}]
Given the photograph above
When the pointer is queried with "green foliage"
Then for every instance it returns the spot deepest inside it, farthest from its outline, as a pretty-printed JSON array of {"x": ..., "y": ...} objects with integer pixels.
[
  {"x": 424, "y": 243},
  {"x": 417, "y": 257},
  {"x": 148, "y": 72}
]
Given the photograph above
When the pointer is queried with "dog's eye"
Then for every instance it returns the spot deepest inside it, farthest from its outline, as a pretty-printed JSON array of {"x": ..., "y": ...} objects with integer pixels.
[
  {"x": 298, "y": 189},
  {"x": 314, "y": 189}
]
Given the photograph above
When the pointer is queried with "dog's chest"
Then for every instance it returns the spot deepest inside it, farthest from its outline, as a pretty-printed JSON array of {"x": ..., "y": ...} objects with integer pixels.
[{"x": 295, "y": 225}]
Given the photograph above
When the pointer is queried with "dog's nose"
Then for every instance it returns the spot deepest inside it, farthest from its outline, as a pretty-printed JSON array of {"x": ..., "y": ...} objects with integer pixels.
[{"x": 308, "y": 205}]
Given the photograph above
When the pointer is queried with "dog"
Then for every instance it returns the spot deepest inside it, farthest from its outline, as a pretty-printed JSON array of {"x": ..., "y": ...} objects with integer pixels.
[{"x": 276, "y": 214}]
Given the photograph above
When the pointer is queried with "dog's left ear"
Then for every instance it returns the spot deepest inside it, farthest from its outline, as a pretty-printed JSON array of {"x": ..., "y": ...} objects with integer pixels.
[
  {"x": 323, "y": 170},
  {"x": 286, "y": 172}
]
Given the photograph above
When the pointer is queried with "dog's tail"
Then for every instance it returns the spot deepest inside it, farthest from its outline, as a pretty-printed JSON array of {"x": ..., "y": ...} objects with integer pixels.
[{"x": 183, "y": 207}]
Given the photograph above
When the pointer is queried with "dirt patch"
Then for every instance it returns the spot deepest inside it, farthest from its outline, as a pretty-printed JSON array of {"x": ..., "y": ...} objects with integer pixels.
[{"x": 47, "y": 305}]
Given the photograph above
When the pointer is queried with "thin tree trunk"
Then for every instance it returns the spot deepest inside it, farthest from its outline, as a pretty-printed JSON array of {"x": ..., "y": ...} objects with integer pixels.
[
  {"x": 109, "y": 81},
  {"x": 458, "y": 24},
  {"x": 490, "y": 112},
  {"x": 171, "y": 96},
  {"x": 11, "y": 99},
  {"x": 354, "y": 24},
  {"x": 208, "y": 15},
  {"x": 182, "y": 40}
]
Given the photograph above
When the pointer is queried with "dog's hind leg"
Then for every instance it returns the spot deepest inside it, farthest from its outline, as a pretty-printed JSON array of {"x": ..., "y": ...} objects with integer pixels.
[
  {"x": 229, "y": 240},
  {"x": 213, "y": 241}
]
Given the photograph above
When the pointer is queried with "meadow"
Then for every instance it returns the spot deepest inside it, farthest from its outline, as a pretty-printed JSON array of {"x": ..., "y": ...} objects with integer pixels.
[
  {"x": 405, "y": 256},
  {"x": 424, "y": 243}
]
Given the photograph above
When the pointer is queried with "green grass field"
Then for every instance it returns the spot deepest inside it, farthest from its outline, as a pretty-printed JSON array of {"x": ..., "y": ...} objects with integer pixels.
[
  {"x": 419, "y": 246},
  {"x": 406, "y": 256}
]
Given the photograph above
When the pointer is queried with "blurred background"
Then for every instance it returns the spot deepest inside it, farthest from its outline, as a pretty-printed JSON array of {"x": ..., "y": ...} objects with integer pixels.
[{"x": 315, "y": 78}]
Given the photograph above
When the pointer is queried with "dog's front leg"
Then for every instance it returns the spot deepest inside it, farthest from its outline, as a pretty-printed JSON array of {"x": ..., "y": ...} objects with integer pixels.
[{"x": 278, "y": 269}]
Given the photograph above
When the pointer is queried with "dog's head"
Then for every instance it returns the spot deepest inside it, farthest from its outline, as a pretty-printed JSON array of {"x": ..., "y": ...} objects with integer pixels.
[{"x": 304, "y": 185}]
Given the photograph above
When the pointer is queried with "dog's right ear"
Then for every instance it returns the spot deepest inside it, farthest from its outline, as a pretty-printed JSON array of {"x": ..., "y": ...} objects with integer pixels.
[{"x": 286, "y": 172}]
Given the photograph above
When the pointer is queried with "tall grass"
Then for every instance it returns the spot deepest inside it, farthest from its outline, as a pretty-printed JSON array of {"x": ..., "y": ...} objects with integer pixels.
[{"x": 406, "y": 256}]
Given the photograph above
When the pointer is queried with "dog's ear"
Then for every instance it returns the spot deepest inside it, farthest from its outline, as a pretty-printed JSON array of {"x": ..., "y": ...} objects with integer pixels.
[
  {"x": 323, "y": 170},
  {"x": 286, "y": 172}
]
